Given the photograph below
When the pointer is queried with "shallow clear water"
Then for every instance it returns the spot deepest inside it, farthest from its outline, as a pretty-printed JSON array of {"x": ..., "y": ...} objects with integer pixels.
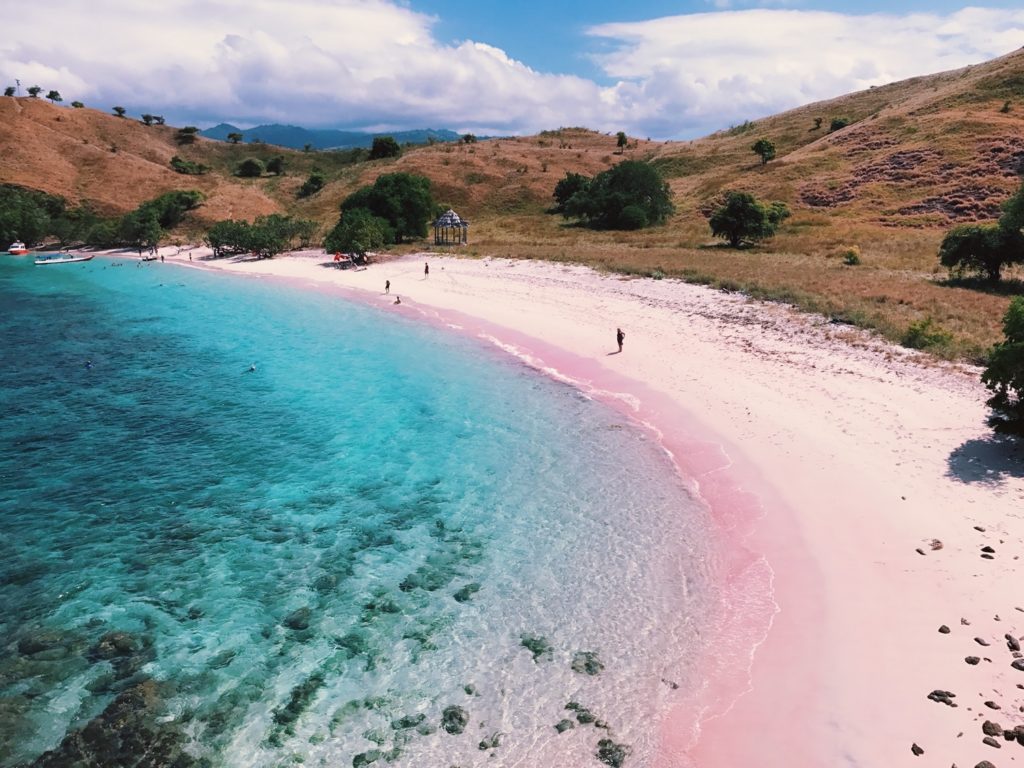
[{"x": 360, "y": 530}]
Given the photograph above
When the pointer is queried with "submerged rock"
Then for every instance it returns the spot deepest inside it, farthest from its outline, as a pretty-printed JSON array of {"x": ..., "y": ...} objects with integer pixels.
[
  {"x": 454, "y": 719},
  {"x": 612, "y": 754},
  {"x": 299, "y": 619},
  {"x": 112, "y": 645},
  {"x": 586, "y": 662},
  {"x": 491, "y": 742},
  {"x": 365, "y": 758},
  {"x": 41, "y": 643},
  {"x": 463, "y": 595},
  {"x": 537, "y": 645},
  {"x": 564, "y": 725},
  {"x": 408, "y": 721}
]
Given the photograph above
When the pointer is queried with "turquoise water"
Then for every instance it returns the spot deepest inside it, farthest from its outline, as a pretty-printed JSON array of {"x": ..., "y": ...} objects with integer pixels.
[{"x": 310, "y": 561}]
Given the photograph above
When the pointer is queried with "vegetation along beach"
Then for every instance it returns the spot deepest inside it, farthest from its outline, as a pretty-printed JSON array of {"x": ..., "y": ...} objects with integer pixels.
[{"x": 673, "y": 441}]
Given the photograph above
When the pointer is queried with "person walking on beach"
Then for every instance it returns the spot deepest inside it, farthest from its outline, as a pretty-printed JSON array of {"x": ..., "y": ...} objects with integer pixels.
[
  {"x": 619, "y": 337},
  {"x": 398, "y": 299},
  {"x": 387, "y": 286},
  {"x": 426, "y": 270}
]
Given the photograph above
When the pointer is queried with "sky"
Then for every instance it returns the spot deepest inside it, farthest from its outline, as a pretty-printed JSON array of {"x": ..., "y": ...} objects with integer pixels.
[{"x": 653, "y": 68}]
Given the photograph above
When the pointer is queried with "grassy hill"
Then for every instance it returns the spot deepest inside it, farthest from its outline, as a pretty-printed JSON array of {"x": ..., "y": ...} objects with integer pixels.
[{"x": 916, "y": 157}]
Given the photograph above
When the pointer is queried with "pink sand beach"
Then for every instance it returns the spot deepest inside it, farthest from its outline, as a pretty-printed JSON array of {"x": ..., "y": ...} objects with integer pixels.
[{"x": 853, "y": 483}]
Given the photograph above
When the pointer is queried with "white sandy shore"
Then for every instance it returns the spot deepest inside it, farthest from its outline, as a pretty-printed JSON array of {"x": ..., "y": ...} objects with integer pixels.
[{"x": 860, "y": 454}]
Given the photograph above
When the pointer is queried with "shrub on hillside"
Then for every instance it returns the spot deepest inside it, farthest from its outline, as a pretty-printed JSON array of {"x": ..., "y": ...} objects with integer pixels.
[
  {"x": 1004, "y": 376},
  {"x": 250, "y": 168},
  {"x": 188, "y": 167},
  {"x": 631, "y": 195},
  {"x": 838, "y": 123},
  {"x": 743, "y": 219},
  {"x": 384, "y": 146},
  {"x": 403, "y": 200},
  {"x": 313, "y": 184}
]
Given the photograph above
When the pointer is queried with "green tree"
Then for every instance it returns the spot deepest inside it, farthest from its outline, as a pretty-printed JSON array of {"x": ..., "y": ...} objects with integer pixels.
[
  {"x": 34, "y": 91},
  {"x": 567, "y": 187},
  {"x": 119, "y": 111},
  {"x": 1004, "y": 375},
  {"x": 54, "y": 97},
  {"x": 147, "y": 119},
  {"x": 358, "y": 231},
  {"x": 250, "y": 168},
  {"x": 469, "y": 138},
  {"x": 817, "y": 124},
  {"x": 228, "y": 237},
  {"x": 313, "y": 184},
  {"x": 621, "y": 140},
  {"x": 158, "y": 119},
  {"x": 77, "y": 104},
  {"x": 980, "y": 248},
  {"x": 401, "y": 199},
  {"x": 765, "y": 149},
  {"x": 141, "y": 230},
  {"x": 9, "y": 90},
  {"x": 275, "y": 165},
  {"x": 631, "y": 195},
  {"x": 234, "y": 137},
  {"x": 188, "y": 167},
  {"x": 742, "y": 219},
  {"x": 307, "y": 147},
  {"x": 838, "y": 123},
  {"x": 384, "y": 146},
  {"x": 186, "y": 135}
]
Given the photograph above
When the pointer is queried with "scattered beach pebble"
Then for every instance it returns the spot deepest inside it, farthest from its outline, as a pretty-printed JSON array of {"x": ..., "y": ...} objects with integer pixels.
[
  {"x": 979, "y": 528},
  {"x": 944, "y": 629},
  {"x": 988, "y": 549},
  {"x": 916, "y": 749},
  {"x": 1018, "y": 664},
  {"x": 984, "y": 764},
  {"x": 1012, "y": 642},
  {"x": 972, "y": 660},
  {"x": 935, "y": 544},
  {"x": 992, "y": 705},
  {"x": 992, "y": 742},
  {"x": 981, "y": 641},
  {"x": 944, "y": 697},
  {"x": 990, "y": 728},
  {"x": 919, "y": 551}
]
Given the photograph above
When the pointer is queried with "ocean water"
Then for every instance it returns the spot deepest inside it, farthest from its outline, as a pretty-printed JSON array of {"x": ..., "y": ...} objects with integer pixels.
[{"x": 313, "y": 561}]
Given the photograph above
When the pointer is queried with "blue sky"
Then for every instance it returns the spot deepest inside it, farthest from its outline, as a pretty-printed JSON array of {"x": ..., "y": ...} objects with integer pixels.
[{"x": 654, "y": 68}]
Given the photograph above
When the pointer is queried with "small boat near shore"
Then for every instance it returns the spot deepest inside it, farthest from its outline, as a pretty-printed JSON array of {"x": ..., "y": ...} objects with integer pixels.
[
  {"x": 17, "y": 248},
  {"x": 64, "y": 259}
]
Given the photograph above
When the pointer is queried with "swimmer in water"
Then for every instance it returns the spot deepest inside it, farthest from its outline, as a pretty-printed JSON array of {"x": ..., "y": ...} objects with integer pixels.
[
  {"x": 252, "y": 368},
  {"x": 88, "y": 364}
]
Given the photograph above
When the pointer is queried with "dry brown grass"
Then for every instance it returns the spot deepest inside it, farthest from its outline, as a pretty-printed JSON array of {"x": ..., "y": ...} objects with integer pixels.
[{"x": 918, "y": 157}]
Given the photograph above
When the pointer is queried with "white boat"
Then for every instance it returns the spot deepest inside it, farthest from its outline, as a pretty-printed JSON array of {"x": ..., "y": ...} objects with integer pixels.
[
  {"x": 65, "y": 259},
  {"x": 17, "y": 248}
]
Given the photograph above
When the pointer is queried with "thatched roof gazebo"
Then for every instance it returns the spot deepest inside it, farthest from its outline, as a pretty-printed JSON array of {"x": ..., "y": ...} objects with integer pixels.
[{"x": 451, "y": 229}]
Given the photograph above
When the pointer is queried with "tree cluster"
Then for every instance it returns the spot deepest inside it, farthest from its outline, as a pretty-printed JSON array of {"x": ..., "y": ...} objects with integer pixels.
[
  {"x": 986, "y": 248},
  {"x": 401, "y": 201},
  {"x": 266, "y": 237},
  {"x": 741, "y": 218},
  {"x": 313, "y": 184},
  {"x": 1004, "y": 375},
  {"x": 632, "y": 195},
  {"x": 384, "y": 146}
]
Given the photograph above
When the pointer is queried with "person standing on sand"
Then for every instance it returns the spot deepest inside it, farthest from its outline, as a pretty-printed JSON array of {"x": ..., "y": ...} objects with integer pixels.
[
  {"x": 387, "y": 286},
  {"x": 426, "y": 270},
  {"x": 619, "y": 337}
]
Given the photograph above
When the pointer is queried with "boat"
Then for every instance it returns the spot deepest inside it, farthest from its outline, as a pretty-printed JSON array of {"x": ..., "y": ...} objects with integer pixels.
[
  {"x": 65, "y": 259},
  {"x": 17, "y": 248}
]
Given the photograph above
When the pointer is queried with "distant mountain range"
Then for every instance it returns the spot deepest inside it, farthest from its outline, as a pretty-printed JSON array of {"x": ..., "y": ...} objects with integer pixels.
[{"x": 326, "y": 138}]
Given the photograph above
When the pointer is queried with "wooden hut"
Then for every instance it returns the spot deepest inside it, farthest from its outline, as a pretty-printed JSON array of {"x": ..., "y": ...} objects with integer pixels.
[{"x": 451, "y": 229}]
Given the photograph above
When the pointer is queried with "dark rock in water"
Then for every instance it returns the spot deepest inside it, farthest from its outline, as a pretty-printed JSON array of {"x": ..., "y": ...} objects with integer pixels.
[
  {"x": 991, "y": 742},
  {"x": 972, "y": 660},
  {"x": 470, "y": 689},
  {"x": 41, "y": 642},
  {"x": 299, "y": 618},
  {"x": 564, "y": 725},
  {"x": 408, "y": 721},
  {"x": 612, "y": 754},
  {"x": 467, "y": 592},
  {"x": 1012, "y": 642},
  {"x": 537, "y": 645},
  {"x": 195, "y": 612},
  {"x": 126, "y": 734},
  {"x": 1018, "y": 664},
  {"x": 584, "y": 716},
  {"x": 991, "y": 729},
  {"x": 426, "y": 729},
  {"x": 365, "y": 758},
  {"x": 586, "y": 662},
  {"x": 326, "y": 582},
  {"x": 112, "y": 645},
  {"x": 454, "y": 719},
  {"x": 944, "y": 629},
  {"x": 491, "y": 742},
  {"x": 916, "y": 750},
  {"x": 299, "y": 701},
  {"x": 670, "y": 684}
]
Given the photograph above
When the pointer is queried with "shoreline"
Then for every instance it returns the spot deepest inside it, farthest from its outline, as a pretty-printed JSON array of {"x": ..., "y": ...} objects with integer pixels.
[{"x": 855, "y": 458}]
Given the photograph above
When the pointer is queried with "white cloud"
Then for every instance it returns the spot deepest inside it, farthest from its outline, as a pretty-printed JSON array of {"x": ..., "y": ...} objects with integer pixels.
[
  {"x": 379, "y": 64},
  {"x": 705, "y": 71}
]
